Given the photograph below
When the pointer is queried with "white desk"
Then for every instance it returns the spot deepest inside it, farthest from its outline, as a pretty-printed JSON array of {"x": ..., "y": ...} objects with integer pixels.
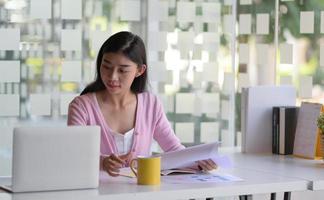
[
  {"x": 255, "y": 182},
  {"x": 289, "y": 166}
]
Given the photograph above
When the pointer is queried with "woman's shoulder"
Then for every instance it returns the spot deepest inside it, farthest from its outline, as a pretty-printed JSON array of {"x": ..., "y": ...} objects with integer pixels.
[
  {"x": 148, "y": 97},
  {"x": 150, "y": 101},
  {"x": 84, "y": 99}
]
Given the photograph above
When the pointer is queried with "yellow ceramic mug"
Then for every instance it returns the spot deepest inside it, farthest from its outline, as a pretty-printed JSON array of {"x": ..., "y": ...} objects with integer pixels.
[{"x": 148, "y": 170}]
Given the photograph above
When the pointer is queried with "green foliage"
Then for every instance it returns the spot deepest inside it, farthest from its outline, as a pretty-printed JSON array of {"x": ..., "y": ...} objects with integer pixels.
[{"x": 320, "y": 122}]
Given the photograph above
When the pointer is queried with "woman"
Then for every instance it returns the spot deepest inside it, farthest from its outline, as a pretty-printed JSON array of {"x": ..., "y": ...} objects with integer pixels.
[{"x": 129, "y": 117}]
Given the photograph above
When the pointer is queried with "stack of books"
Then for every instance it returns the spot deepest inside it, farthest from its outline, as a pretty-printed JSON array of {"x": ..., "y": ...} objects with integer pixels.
[{"x": 257, "y": 103}]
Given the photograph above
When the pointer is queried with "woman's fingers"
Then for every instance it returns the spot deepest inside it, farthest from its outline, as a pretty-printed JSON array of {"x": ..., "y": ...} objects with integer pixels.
[
  {"x": 127, "y": 156},
  {"x": 207, "y": 165},
  {"x": 113, "y": 169},
  {"x": 212, "y": 164},
  {"x": 201, "y": 165},
  {"x": 113, "y": 163},
  {"x": 117, "y": 159},
  {"x": 112, "y": 173}
]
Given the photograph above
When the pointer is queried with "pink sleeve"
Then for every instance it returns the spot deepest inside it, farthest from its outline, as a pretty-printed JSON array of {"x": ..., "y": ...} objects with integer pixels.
[
  {"x": 77, "y": 114},
  {"x": 163, "y": 132}
]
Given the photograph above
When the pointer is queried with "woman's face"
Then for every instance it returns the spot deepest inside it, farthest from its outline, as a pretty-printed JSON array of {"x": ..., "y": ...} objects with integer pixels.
[{"x": 118, "y": 72}]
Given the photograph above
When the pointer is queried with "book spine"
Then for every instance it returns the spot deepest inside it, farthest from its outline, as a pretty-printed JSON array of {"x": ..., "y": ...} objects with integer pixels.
[
  {"x": 282, "y": 130},
  {"x": 243, "y": 118},
  {"x": 275, "y": 130},
  {"x": 291, "y": 117}
]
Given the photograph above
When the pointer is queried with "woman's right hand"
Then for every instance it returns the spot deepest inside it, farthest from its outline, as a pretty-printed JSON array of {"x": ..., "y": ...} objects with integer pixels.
[{"x": 113, "y": 163}]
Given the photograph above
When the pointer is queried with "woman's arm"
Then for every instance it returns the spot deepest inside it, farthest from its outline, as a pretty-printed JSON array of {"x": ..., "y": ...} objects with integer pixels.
[
  {"x": 168, "y": 141},
  {"x": 77, "y": 114},
  {"x": 163, "y": 133}
]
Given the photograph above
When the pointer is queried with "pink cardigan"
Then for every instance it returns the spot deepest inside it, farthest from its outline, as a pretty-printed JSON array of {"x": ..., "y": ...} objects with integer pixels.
[{"x": 151, "y": 123}]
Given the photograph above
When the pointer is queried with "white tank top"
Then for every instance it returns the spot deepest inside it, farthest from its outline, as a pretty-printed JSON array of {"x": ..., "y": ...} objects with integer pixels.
[{"x": 124, "y": 141}]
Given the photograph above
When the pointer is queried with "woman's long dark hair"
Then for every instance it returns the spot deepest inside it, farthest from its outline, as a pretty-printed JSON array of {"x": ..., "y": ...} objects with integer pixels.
[{"x": 131, "y": 46}]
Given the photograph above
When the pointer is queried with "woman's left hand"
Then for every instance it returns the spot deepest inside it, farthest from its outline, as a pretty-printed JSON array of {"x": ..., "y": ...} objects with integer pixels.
[{"x": 207, "y": 165}]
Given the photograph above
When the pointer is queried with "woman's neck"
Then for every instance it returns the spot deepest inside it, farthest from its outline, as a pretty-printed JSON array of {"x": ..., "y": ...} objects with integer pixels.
[{"x": 117, "y": 101}]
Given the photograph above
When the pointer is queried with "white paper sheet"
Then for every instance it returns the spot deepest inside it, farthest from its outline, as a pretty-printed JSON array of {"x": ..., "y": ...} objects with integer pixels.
[
  {"x": 262, "y": 27},
  {"x": 41, "y": 9},
  {"x": 188, "y": 156},
  {"x": 186, "y": 11},
  {"x": 130, "y": 10},
  {"x": 209, "y": 132},
  {"x": 40, "y": 104},
  {"x": 71, "y": 40},
  {"x": 12, "y": 105},
  {"x": 305, "y": 87},
  {"x": 245, "y": 24},
  {"x": 9, "y": 71},
  {"x": 185, "y": 132},
  {"x": 307, "y": 22},
  {"x": 71, "y": 71},
  {"x": 201, "y": 178},
  {"x": 286, "y": 53},
  {"x": 12, "y": 38},
  {"x": 67, "y": 12},
  {"x": 127, "y": 172},
  {"x": 244, "y": 54}
]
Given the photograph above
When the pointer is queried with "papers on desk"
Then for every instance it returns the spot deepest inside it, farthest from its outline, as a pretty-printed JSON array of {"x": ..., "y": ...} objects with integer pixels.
[
  {"x": 178, "y": 171},
  {"x": 127, "y": 172},
  {"x": 213, "y": 177},
  {"x": 187, "y": 157},
  {"x": 199, "y": 177}
]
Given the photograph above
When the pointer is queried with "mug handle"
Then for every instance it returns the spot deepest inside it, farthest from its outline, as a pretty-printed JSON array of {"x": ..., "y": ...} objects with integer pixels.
[{"x": 131, "y": 165}]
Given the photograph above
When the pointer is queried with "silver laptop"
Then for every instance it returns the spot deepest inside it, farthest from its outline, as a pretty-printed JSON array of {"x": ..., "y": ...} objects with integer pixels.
[{"x": 55, "y": 158}]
